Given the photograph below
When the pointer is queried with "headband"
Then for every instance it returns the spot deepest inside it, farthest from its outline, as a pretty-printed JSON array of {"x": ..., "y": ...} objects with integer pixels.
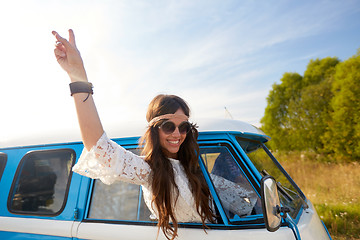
[{"x": 168, "y": 116}]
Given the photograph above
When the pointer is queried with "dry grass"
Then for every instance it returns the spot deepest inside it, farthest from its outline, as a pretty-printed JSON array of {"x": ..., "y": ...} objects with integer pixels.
[{"x": 332, "y": 187}]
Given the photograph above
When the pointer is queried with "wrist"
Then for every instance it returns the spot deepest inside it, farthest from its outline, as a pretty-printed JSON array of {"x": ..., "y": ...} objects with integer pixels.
[
  {"x": 78, "y": 79},
  {"x": 78, "y": 76},
  {"x": 81, "y": 87}
]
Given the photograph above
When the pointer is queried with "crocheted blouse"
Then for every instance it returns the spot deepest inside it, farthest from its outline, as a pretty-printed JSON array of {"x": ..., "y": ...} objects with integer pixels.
[{"x": 110, "y": 162}]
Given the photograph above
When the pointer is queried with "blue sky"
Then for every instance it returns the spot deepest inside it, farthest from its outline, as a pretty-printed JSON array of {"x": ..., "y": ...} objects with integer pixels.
[{"x": 214, "y": 54}]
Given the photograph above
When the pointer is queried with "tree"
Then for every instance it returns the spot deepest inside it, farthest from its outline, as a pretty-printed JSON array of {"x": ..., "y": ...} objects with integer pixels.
[
  {"x": 343, "y": 136},
  {"x": 311, "y": 113},
  {"x": 276, "y": 118},
  {"x": 297, "y": 113},
  {"x": 319, "y": 70},
  {"x": 320, "y": 111}
]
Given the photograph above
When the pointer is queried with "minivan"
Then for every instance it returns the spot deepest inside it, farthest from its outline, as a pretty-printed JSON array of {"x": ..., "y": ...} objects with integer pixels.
[{"x": 41, "y": 198}]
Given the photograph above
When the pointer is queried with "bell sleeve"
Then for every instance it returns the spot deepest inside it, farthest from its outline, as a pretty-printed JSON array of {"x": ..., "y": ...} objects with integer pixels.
[{"x": 110, "y": 162}]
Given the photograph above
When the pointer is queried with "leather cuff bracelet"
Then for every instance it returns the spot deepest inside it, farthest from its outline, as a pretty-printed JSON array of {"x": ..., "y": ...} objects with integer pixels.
[{"x": 81, "y": 87}]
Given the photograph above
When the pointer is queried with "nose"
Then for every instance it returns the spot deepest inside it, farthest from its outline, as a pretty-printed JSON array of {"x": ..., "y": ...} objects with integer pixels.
[{"x": 176, "y": 132}]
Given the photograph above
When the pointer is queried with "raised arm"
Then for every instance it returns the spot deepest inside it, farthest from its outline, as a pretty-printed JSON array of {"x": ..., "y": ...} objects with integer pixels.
[{"x": 69, "y": 58}]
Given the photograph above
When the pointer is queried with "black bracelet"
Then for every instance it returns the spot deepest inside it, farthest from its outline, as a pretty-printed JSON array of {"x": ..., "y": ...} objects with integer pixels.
[{"x": 81, "y": 87}]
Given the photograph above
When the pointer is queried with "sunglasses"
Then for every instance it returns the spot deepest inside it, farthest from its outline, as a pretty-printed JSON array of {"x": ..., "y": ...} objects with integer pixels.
[{"x": 168, "y": 127}]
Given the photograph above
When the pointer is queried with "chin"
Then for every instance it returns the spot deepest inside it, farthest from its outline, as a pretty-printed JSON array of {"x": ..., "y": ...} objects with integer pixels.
[{"x": 170, "y": 154}]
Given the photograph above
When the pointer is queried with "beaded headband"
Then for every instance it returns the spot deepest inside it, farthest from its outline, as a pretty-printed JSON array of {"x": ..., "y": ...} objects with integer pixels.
[{"x": 168, "y": 116}]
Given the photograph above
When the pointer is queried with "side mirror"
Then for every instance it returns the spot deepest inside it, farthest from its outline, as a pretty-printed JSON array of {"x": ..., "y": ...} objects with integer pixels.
[{"x": 270, "y": 203}]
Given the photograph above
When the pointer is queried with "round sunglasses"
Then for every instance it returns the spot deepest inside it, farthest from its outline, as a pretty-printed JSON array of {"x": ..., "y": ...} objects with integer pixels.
[{"x": 168, "y": 127}]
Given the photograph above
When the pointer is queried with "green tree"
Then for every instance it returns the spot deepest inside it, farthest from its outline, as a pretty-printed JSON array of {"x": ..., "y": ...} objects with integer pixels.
[
  {"x": 320, "y": 111},
  {"x": 311, "y": 113},
  {"x": 276, "y": 122},
  {"x": 319, "y": 70},
  {"x": 297, "y": 113},
  {"x": 343, "y": 136}
]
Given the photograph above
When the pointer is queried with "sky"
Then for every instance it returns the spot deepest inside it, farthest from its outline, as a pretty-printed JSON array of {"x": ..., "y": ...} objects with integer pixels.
[{"x": 215, "y": 54}]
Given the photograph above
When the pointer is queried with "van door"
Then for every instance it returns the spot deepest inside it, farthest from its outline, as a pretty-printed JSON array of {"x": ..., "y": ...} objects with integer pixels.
[{"x": 35, "y": 186}]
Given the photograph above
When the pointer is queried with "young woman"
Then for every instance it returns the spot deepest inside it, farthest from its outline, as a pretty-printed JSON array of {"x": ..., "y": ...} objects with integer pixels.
[{"x": 173, "y": 185}]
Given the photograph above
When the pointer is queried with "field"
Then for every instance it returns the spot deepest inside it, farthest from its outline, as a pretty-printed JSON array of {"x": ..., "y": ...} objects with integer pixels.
[{"x": 334, "y": 189}]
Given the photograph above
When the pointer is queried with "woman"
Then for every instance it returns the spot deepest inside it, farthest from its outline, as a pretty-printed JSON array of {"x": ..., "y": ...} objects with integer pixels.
[{"x": 173, "y": 185}]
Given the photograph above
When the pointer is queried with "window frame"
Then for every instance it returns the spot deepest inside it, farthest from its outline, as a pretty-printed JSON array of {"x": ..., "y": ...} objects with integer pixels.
[
  {"x": 253, "y": 220},
  {"x": 3, "y": 157},
  {"x": 299, "y": 209},
  {"x": 16, "y": 178}
]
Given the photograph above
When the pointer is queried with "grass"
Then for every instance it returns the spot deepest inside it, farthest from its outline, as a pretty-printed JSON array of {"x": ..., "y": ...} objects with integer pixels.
[{"x": 333, "y": 188}]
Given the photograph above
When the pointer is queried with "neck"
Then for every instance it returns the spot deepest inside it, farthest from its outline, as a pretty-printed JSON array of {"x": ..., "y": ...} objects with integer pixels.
[{"x": 169, "y": 154}]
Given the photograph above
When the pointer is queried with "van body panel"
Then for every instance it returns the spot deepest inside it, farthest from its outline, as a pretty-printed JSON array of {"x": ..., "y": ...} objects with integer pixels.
[
  {"x": 131, "y": 232},
  {"x": 310, "y": 225},
  {"x": 33, "y": 228}
]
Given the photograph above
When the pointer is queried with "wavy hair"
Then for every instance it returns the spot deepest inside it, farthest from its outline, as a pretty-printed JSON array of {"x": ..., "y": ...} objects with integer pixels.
[{"x": 163, "y": 183}]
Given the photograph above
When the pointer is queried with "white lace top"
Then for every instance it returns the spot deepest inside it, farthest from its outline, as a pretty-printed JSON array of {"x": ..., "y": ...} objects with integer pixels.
[{"x": 109, "y": 162}]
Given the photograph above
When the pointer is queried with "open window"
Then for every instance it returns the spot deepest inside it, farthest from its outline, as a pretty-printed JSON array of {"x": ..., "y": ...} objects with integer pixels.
[
  {"x": 237, "y": 196},
  {"x": 119, "y": 201}
]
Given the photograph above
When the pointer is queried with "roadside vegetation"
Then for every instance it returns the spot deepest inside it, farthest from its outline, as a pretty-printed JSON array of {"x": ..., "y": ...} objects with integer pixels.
[
  {"x": 333, "y": 188},
  {"x": 314, "y": 122}
]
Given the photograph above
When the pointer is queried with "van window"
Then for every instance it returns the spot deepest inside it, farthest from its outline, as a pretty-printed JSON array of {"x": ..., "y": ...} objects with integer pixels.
[
  {"x": 41, "y": 182},
  {"x": 237, "y": 196},
  {"x": 2, "y": 163},
  {"x": 289, "y": 194},
  {"x": 118, "y": 201}
]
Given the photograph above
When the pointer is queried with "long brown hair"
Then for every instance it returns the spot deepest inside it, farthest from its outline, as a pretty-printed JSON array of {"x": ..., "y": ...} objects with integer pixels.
[{"x": 162, "y": 176}]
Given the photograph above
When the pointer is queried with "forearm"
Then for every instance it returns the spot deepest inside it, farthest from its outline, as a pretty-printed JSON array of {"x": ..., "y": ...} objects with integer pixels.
[
  {"x": 89, "y": 120},
  {"x": 88, "y": 117}
]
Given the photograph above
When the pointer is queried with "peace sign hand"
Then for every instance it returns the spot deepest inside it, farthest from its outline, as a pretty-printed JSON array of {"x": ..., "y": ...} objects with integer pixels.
[{"x": 69, "y": 58}]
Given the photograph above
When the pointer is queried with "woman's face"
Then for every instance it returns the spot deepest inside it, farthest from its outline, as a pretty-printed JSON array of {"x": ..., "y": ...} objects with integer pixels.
[{"x": 171, "y": 143}]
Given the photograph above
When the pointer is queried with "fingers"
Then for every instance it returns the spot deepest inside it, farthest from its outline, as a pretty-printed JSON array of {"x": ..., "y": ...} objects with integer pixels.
[
  {"x": 60, "y": 46},
  {"x": 59, "y": 53},
  {"x": 68, "y": 56},
  {"x": 60, "y": 39},
  {"x": 72, "y": 37}
]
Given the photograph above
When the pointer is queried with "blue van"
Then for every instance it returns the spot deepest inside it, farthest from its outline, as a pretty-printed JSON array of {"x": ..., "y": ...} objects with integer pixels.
[{"x": 41, "y": 198}]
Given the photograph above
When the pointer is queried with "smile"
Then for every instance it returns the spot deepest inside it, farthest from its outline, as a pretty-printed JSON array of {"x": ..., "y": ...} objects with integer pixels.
[{"x": 174, "y": 142}]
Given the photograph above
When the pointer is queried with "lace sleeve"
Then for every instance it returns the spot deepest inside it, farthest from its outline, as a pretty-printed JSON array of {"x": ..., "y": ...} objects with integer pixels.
[
  {"x": 110, "y": 162},
  {"x": 234, "y": 197}
]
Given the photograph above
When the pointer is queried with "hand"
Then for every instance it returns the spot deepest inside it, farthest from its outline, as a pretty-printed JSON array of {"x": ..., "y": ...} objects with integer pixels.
[{"x": 68, "y": 56}]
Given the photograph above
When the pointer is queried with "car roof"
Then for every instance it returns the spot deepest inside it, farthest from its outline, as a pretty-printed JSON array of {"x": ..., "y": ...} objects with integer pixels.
[{"x": 128, "y": 129}]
